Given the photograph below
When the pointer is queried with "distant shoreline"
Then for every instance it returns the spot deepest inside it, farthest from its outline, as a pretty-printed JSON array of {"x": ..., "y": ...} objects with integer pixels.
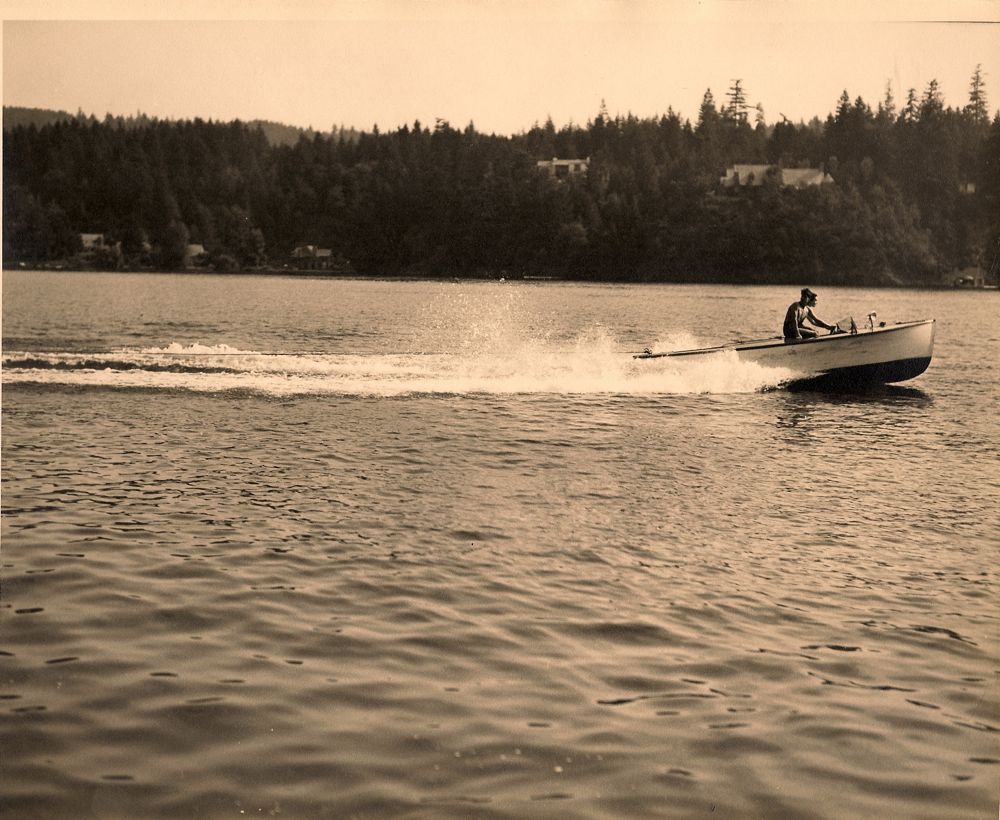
[
  {"x": 848, "y": 201},
  {"x": 500, "y": 278}
]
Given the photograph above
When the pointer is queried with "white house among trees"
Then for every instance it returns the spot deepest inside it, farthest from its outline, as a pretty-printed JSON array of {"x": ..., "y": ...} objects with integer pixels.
[
  {"x": 754, "y": 175},
  {"x": 562, "y": 168}
]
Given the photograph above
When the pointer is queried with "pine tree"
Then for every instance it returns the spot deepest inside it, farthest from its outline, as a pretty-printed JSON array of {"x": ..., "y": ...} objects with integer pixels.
[
  {"x": 737, "y": 108},
  {"x": 977, "y": 107},
  {"x": 843, "y": 106},
  {"x": 602, "y": 115},
  {"x": 931, "y": 104},
  {"x": 708, "y": 115},
  {"x": 911, "y": 110},
  {"x": 887, "y": 108},
  {"x": 759, "y": 121}
]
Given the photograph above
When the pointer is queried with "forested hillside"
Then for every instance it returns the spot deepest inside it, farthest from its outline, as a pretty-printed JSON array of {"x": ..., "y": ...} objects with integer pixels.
[
  {"x": 915, "y": 195},
  {"x": 15, "y": 116},
  {"x": 277, "y": 133}
]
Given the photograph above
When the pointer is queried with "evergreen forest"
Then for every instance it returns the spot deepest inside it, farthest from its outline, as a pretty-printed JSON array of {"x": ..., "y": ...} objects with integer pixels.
[{"x": 912, "y": 196}]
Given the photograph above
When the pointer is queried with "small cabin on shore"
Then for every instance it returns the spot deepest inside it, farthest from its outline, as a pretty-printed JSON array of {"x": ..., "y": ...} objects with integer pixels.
[
  {"x": 311, "y": 257},
  {"x": 195, "y": 255},
  {"x": 971, "y": 277}
]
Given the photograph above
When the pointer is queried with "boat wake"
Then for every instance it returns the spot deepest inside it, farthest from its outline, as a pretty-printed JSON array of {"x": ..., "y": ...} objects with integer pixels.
[{"x": 591, "y": 364}]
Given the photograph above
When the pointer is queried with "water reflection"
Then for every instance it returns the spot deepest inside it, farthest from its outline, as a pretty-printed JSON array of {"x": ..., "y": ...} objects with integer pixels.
[
  {"x": 863, "y": 394},
  {"x": 874, "y": 406}
]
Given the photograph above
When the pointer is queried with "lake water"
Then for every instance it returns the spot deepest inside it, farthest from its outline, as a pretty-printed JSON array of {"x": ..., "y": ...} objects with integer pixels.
[{"x": 340, "y": 548}]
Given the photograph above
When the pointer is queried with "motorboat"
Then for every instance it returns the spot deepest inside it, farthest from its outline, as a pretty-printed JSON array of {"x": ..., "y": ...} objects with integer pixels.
[{"x": 849, "y": 356}]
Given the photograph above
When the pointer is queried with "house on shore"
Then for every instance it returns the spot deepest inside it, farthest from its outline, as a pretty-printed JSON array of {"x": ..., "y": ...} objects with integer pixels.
[
  {"x": 753, "y": 176},
  {"x": 195, "y": 255},
  {"x": 97, "y": 251},
  {"x": 311, "y": 257},
  {"x": 563, "y": 168},
  {"x": 970, "y": 277}
]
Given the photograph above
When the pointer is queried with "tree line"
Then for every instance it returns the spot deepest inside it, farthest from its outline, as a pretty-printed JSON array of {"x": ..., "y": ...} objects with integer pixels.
[{"x": 915, "y": 195}]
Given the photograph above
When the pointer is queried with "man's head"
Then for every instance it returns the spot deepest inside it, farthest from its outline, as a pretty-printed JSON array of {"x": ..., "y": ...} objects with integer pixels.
[{"x": 808, "y": 297}]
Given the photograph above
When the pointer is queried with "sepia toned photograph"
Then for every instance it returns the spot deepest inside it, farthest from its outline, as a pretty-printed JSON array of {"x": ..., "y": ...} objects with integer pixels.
[{"x": 493, "y": 410}]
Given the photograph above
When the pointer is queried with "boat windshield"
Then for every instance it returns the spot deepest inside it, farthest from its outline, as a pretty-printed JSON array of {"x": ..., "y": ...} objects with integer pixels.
[{"x": 847, "y": 325}]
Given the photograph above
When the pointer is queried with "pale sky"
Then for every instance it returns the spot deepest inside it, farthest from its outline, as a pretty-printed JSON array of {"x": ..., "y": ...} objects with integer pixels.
[{"x": 502, "y": 64}]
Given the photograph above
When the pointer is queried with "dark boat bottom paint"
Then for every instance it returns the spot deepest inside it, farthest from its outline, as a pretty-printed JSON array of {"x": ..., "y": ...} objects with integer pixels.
[{"x": 863, "y": 377}]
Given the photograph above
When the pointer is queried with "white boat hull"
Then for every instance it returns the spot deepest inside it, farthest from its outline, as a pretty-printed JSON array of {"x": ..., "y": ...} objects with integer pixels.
[{"x": 881, "y": 356}]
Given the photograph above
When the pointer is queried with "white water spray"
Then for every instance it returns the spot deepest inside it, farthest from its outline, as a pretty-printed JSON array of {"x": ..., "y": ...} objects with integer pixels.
[{"x": 592, "y": 363}]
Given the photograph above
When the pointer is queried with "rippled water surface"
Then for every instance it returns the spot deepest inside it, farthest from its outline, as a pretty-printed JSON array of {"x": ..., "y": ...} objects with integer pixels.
[{"x": 334, "y": 548}]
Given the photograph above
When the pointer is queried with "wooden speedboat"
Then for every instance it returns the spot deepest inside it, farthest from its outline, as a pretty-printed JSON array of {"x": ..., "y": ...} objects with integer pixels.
[{"x": 877, "y": 354}]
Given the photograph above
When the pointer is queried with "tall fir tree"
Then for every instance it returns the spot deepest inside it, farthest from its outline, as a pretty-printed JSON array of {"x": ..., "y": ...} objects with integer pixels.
[
  {"x": 737, "y": 107},
  {"x": 978, "y": 109}
]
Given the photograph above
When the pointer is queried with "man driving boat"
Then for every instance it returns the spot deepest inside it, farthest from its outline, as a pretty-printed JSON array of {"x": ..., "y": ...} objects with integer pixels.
[{"x": 798, "y": 314}]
